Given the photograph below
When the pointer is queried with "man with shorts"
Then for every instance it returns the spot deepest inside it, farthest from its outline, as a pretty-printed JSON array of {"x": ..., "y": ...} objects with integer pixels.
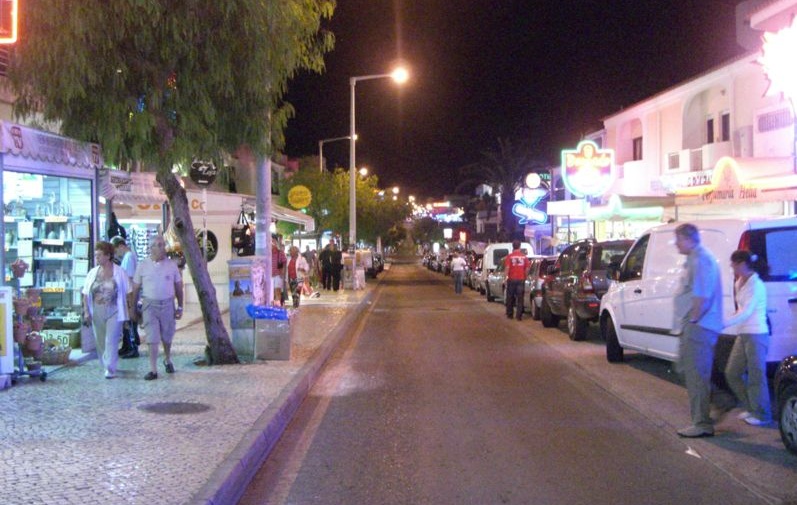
[{"x": 158, "y": 281}]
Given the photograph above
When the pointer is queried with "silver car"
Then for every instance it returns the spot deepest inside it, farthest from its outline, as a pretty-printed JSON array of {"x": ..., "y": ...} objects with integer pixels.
[{"x": 495, "y": 285}]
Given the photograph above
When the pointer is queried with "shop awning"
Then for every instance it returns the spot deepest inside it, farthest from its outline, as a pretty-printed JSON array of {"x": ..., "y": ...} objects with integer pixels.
[
  {"x": 292, "y": 216},
  {"x": 631, "y": 208},
  {"x": 132, "y": 188},
  {"x": 44, "y": 146}
]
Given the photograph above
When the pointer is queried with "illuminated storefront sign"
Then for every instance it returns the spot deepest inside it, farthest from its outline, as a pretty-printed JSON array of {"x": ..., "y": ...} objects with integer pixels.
[
  {"x": 727, "y": 187},
  {"x": 528, "y": 198},
  {"x": 588, "y": 170}
]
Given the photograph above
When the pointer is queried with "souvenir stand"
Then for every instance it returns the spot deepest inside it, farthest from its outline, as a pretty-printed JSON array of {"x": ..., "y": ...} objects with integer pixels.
[{"x": 49, "y": 223}]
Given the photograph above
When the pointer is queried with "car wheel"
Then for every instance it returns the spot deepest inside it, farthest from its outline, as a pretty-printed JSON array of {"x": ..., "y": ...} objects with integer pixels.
[
  {"x": 490, "y": 297},
  {"x": 535, "y": 311},
  {"x": 576, "y": 327},
  {"x": 788, "y": 417},
  {"x": 548, "y": 319},
  {"x": 614, "y": 353}
]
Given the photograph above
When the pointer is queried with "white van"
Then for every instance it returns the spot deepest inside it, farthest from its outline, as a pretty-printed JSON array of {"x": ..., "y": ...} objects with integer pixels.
[
  {"x": 493, "y": 254},
  {"x": 637, "y": 311}
]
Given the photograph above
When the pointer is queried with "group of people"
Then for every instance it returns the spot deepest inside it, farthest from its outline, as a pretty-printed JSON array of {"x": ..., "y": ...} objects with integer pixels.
[
  {"x": 292, "y": 274},
  {"x": 113, "y": 294},
  {"x": 699, "y": 322}
]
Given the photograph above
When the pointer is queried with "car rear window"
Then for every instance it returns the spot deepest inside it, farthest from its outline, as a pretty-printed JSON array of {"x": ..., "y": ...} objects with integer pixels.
[
  {"x": 603, "y": 254},
  {"x": 775, "y": 247}
]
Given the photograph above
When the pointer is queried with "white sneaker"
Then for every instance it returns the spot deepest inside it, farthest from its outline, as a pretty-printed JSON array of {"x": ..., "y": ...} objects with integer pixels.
[
  {"x": 754, "y": 421},
  {"x": 109, "y": 374},
  {"x": 743, "y": 415},
  {"x": 317, "y": 294}
]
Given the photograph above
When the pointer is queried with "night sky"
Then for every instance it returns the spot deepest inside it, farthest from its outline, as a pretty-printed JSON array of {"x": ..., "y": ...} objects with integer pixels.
[{"x": 541, "y": 73}]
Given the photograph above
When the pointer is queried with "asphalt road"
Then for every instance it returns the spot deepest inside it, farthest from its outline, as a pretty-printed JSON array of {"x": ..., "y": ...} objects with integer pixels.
[{"x": 439, "y": 399}]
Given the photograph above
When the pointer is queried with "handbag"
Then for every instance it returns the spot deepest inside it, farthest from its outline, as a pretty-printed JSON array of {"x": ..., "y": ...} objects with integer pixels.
[{"x": 243, "y": 236}]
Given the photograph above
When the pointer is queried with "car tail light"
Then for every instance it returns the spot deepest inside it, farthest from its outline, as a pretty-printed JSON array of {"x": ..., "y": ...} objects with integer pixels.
[
  {"x": 744, "y": 241},
  {"x": 586, "y": 282}
]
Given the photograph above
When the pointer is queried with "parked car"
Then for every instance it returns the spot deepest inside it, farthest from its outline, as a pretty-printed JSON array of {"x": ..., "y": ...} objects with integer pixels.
[
  {"x": 474, "y": 274},
  {"x": 493, "y": 254},
  {"x": 637, "y": 311},
  {"x": 576, "y": 283},
  {"x": 786, "y": 401},
  {"x": 495, "y": 288},
  {"x": 538, "y": 273},
  {"x": 377, "y": 265}
]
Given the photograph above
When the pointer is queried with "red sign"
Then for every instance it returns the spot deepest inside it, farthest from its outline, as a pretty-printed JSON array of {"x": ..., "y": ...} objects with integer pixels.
[{"x": 8, "y": 21}]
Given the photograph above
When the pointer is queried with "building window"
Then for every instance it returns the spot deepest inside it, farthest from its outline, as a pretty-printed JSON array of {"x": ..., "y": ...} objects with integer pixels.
[
  {"x": 726, "y": 127},
  {"x": 710, "y": 130},
  {"x": 775, "y": 120},
  {"x": 637, "y": 155},
  {"x": 674, "y": 161}
]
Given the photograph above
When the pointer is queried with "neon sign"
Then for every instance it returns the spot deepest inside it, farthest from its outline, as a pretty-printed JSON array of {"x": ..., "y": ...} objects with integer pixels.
[
  {"x": 9, "y": 21},
  {"x": 525, "y": 207},
  {"x": 588, "y": 170}
]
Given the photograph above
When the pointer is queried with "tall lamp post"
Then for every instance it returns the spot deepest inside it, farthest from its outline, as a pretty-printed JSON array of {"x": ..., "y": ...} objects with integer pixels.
[
  {"x": 399, "y": 75},
  {"x": 321, "y": 150}
]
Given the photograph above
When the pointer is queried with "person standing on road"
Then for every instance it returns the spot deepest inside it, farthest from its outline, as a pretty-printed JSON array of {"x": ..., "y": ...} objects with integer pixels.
[
  {"x": 458, "y": 271},
  {"x": 105, "y": 306},
  {"x": 159, "y": 283},
  {"x": 128, "y": 261},
  {"x": 749, "y": 353},
  {"x": 699, "y": 309},
  {"x": 516, "y": 265},
  {"x": 325, "y": 258}
]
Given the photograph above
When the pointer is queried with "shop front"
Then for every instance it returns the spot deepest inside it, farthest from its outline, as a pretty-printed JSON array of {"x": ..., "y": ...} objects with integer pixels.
[
  {"x": 49, "y": 224},
  {"x": 140, "y": 208}
]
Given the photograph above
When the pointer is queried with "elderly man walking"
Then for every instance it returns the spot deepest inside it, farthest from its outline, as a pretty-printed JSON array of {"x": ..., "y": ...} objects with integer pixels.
[
  {"x": 159, "y": 283},
  {"x": 699, "y": 309}
]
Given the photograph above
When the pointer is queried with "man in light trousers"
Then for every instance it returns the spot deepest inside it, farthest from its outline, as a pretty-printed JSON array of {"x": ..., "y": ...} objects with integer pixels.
[{"x": 699, "y": 307}]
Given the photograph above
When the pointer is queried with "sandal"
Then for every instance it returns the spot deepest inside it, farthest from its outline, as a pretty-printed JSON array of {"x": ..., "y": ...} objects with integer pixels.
[
  {"x": 150, "y": 376},
  {"x": 169, "y": 367}
]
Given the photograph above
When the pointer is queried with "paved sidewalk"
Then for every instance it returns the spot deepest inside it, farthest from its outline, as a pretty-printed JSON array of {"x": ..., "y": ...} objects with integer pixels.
[{"x": 187, "y": 438}]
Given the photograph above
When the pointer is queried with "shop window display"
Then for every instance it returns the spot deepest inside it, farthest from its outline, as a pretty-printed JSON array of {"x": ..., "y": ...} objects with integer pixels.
[{"x": 48, "y": 226}]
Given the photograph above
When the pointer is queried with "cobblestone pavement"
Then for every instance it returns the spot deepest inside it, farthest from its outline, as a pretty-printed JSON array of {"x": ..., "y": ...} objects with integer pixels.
[{"x": 187, "y": 437}]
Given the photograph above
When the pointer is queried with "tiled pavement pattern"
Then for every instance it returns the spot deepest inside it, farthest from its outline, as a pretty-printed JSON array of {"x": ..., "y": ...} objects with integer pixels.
[{"x": 79, "y": 438}]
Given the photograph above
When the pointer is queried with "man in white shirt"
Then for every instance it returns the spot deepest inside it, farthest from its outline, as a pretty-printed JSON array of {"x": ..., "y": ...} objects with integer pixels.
[
  {"x": 158, "y": 281},
  {"x": 458, "y": 265}
]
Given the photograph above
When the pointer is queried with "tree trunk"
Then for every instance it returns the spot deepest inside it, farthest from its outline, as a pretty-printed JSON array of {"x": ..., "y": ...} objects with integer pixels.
[{"x": 219, "y": 350}]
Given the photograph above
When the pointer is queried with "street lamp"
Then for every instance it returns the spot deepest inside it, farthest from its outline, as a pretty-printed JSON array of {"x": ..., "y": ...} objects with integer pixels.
[
  {"x": 399, "y": 75},
  {"x": 363, "y": 171},
  {"x": 777, "y": 59},
  {"x": 321, "y": 150}
]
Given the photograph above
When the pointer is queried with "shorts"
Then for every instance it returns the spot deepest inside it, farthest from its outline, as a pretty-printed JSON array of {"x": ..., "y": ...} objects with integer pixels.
[
  {"x": 277, "y": 282},
  {"x": 158, "y": 320}
]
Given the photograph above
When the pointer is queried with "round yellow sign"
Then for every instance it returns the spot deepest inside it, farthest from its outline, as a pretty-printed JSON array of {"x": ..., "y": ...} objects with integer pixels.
[{"x": 299, "y": 197}]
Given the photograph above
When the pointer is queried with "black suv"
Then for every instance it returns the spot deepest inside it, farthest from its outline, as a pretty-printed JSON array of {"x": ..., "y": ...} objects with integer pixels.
[{"x": 576, "y": 283}]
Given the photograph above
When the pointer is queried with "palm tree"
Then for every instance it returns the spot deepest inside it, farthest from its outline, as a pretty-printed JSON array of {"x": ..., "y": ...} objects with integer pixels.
[{"x": 504, "y": 170}]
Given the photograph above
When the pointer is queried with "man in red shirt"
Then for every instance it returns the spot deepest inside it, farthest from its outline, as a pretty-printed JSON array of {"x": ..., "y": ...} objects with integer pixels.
[{"x": 516, "y": 265}]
